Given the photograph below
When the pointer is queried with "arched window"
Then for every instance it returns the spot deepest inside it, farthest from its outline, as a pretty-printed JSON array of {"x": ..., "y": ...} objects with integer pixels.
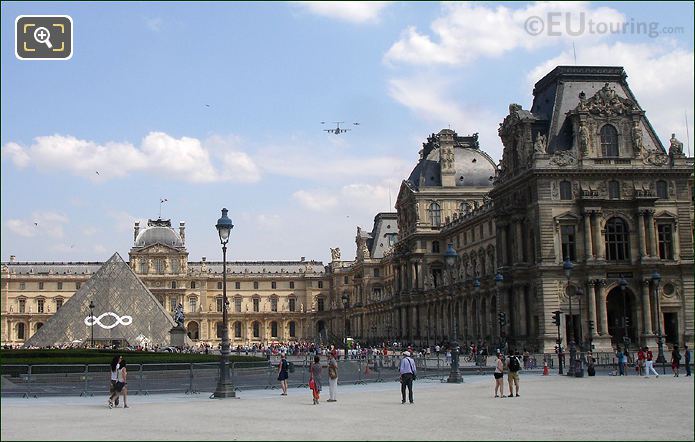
[
  {"x": 435, "y": 214},
  {"x": 435, "y": 246},
  {"x": 292, "y": 301},
  {"x": 20, "y": 331},
  {"x": 274, "y": 329},
  {"x": 565, "y": 190},
  {"x": 193, "y": 330},
  {"x": 237, "y": 329},
  {"x": 256, "y": 329},
  {"x": 609, "y": 141},
  {"x": 256, "y": 304},
  {"x": 617, "y": 240},
  {"x": 662, "y": 189},
  {"x": 614, "y": 190},
  {"x": 293, "y": 329},
  {"x": 192, "y": 304}
]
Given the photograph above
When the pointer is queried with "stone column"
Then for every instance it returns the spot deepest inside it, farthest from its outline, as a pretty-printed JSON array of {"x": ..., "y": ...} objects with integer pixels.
[
  {"x": 676, "y": 243},
  {"x": 602, "y": 313},
  {"x": 641, "y": 237},
  {"x": 588, "y": 252},
  {"x": 601, "y": 243},
  {"x": 646, "y": 308},
  {"x": 502, "y": 245},
  {"x": 591, "y": 303},
  {"x": 653, "y": 252},
  {"x": 519, "y": 241}
]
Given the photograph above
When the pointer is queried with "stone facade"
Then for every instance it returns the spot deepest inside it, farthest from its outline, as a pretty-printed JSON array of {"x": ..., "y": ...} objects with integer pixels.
[{"x": 583, "y": 177}]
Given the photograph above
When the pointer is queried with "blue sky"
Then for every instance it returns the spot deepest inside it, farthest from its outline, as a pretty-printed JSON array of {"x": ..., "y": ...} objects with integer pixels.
[{"x": 131, "y": 104}]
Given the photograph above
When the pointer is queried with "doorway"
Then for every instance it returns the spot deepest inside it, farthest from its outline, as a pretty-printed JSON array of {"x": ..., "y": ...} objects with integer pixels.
[
  {"x": 621, "y": 316},
  {"x": 671, "y": 327}
]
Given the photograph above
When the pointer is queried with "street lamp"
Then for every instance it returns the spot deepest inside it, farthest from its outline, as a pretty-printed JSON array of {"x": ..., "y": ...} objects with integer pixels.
[
  {"x": 567, "y": 266},
  {"x": 91, "y": 318},
  {"x": 225, "y": 388},
  {"x": 450, "y": 257},
  {"x": 346, "y": 301},
  {"x": 623, "y": 286},
  {"x": 499, "y": 279},
  {"x": 656, "y": 279}
]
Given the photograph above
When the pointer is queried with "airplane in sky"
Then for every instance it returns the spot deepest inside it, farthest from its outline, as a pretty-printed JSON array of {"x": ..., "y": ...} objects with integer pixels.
[{"x": 338, "y": 130}]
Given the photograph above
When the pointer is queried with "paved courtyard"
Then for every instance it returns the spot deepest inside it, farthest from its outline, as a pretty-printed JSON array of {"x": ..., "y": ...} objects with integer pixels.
[{"x": 550, "y": 408}]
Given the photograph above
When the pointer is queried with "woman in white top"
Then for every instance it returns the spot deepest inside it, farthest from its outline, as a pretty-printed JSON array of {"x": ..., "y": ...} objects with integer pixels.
[
  {"x": 113, "y": 394},
  {"x": 499, "y": 376}
]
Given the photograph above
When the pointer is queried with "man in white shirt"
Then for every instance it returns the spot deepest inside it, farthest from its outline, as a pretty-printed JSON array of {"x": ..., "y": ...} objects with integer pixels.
[{"x": 408, "y": 372}]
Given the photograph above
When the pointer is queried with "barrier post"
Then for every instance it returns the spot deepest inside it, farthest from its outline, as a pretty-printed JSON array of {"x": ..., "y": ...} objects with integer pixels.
[{"x": 85, "y": 390}]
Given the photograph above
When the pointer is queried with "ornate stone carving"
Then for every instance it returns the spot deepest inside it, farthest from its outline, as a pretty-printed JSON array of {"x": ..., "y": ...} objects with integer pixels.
[
  {"x": 607, "y": 103},
  {"x": 554, "y": 190},
  {"x": 637, "y": 138},
  {"x": 563, "y": 158},
  {"x": 541, "y": 144},
  {"x": 583, "y": 139},
  {"x": 676, "y": 148},
  {"x": 655, "y": 158},
  {"x": 335, "y": 254}
]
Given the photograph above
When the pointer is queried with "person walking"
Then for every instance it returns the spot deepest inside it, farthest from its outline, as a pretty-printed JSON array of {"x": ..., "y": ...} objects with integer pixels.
[
  {"x": 283, "y": 373},
  {"x": 408, "y": 373},
  {"x": 675, "y": 360},
  {"x": 121, "y": 384},
  {"x": 641, "y": 359},
  {"x": 315, "y": 379},
  {"x": 686, "y": 350},
  {"x": 513, "y": 376},
  {"x": 649, "y": 362},
  {"x": 113, "y": 394},
  {"x": 499, "y": 376},
  {"x": 332, "y": 378}
]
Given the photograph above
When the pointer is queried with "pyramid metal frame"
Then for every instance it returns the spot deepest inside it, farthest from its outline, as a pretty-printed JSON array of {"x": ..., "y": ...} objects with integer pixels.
[{"x": 124, "y": 310}]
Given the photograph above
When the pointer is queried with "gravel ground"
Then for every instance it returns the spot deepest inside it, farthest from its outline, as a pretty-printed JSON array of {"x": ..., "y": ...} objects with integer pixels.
[{"x": 550, "y": 408}]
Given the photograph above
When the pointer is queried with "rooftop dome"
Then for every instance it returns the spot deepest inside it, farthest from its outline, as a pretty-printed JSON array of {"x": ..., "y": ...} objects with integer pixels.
[
  {"x": 158, "y": 232},
  {"x": 473, "y": 166}
]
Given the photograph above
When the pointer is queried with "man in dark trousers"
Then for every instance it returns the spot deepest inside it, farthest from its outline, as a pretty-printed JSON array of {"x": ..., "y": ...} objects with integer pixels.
[
  {"x": 513, "y": 365},
  {"x": 408, "y": 372}
]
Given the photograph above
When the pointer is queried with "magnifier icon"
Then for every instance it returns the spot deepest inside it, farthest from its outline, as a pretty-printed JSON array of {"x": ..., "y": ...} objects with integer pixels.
[{"x": 42, "y": 35}]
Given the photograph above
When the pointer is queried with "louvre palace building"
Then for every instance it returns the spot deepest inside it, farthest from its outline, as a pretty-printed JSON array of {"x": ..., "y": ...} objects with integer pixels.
[{"x": 584, "y": 179}]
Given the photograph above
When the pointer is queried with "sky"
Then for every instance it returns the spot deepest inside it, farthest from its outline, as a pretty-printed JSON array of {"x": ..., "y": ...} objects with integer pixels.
[{"x": 212, "y": 105}]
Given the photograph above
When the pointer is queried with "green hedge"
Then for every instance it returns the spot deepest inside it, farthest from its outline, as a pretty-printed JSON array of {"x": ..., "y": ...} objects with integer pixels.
[{"x": 81, "y": 356}]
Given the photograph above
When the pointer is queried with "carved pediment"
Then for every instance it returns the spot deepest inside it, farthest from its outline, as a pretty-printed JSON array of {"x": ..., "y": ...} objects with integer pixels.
[
  {"x": 606, "y": 103},
  {"x": 159, "y": 249}
]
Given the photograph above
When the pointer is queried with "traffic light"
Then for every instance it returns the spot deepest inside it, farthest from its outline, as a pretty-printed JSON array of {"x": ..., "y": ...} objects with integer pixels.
[
  {"x": 627, "y": 321},
  {"x": 556, "y": 317},
  {"x": 502, "y": 317},
  {"x": 591, "y": 325}
]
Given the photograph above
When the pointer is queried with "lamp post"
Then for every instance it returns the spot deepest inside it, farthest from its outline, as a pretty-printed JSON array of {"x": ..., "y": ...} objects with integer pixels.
[
  {"x": 626, "y": 338},
  {"x": 499, "y": 279},
  {"x": 450, "y": 257},
  {"x": 225, "y": 388},
  {"x": 91, "y": 317},
  {"x": 656, "y": 279},
  {"x": 346, "y": 301},
  {"x": 374, "y": 333},
  {"x": 567, "y": 266}
]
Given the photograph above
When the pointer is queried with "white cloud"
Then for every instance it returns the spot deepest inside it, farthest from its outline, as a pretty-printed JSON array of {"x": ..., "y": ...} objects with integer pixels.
[
  {"x": 40, "y": 223},
  {"x": 467, "y": 31},
  {"x": 154, "y": 23},
  {"x": 89, "y": 231},
  {"x": 660, "y": 76},
  {"x": 316, "y": 200},
  {"x": 353, "y": 12},
  {"x": 185, "y": 158},
  {"x": 430, "y": 98}
]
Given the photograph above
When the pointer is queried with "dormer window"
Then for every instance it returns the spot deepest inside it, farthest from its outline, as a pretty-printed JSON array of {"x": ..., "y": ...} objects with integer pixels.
[{"x": 609, "y": 141}]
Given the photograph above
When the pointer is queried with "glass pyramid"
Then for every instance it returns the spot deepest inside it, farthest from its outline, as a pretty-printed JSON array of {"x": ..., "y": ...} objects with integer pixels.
[{"x": 124, "y": 310}]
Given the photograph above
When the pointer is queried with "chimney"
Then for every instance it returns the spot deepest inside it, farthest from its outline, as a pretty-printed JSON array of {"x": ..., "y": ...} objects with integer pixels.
[
  {"x": 203, "y": 259},
  {"x": 182, "y": 231},
  {"x": 303, "y": 258},
  {"x": 137, "y": 230},
  {"x": 13, "y": 258}
]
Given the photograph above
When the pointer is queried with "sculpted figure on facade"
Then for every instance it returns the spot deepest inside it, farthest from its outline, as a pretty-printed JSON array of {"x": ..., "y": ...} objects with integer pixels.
[
  {"x": 637, "y": 138},
  {"x": 583, "y": 139},
  {"x": 676, "y": 147},
  {"x": 335, "y": 254},
  {"x": 541, "y": 144}
]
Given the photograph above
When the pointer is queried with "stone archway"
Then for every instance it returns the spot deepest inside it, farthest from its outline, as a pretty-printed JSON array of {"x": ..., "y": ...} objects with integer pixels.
[
  {"x": 619, "y": 306},
  {"x": 193, "y": 330}
]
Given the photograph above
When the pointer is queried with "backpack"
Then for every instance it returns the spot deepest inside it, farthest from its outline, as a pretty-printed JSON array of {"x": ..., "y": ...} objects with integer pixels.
[
  {"x": 285, "y": 365},
  {"x": 514, "y": 363}
]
